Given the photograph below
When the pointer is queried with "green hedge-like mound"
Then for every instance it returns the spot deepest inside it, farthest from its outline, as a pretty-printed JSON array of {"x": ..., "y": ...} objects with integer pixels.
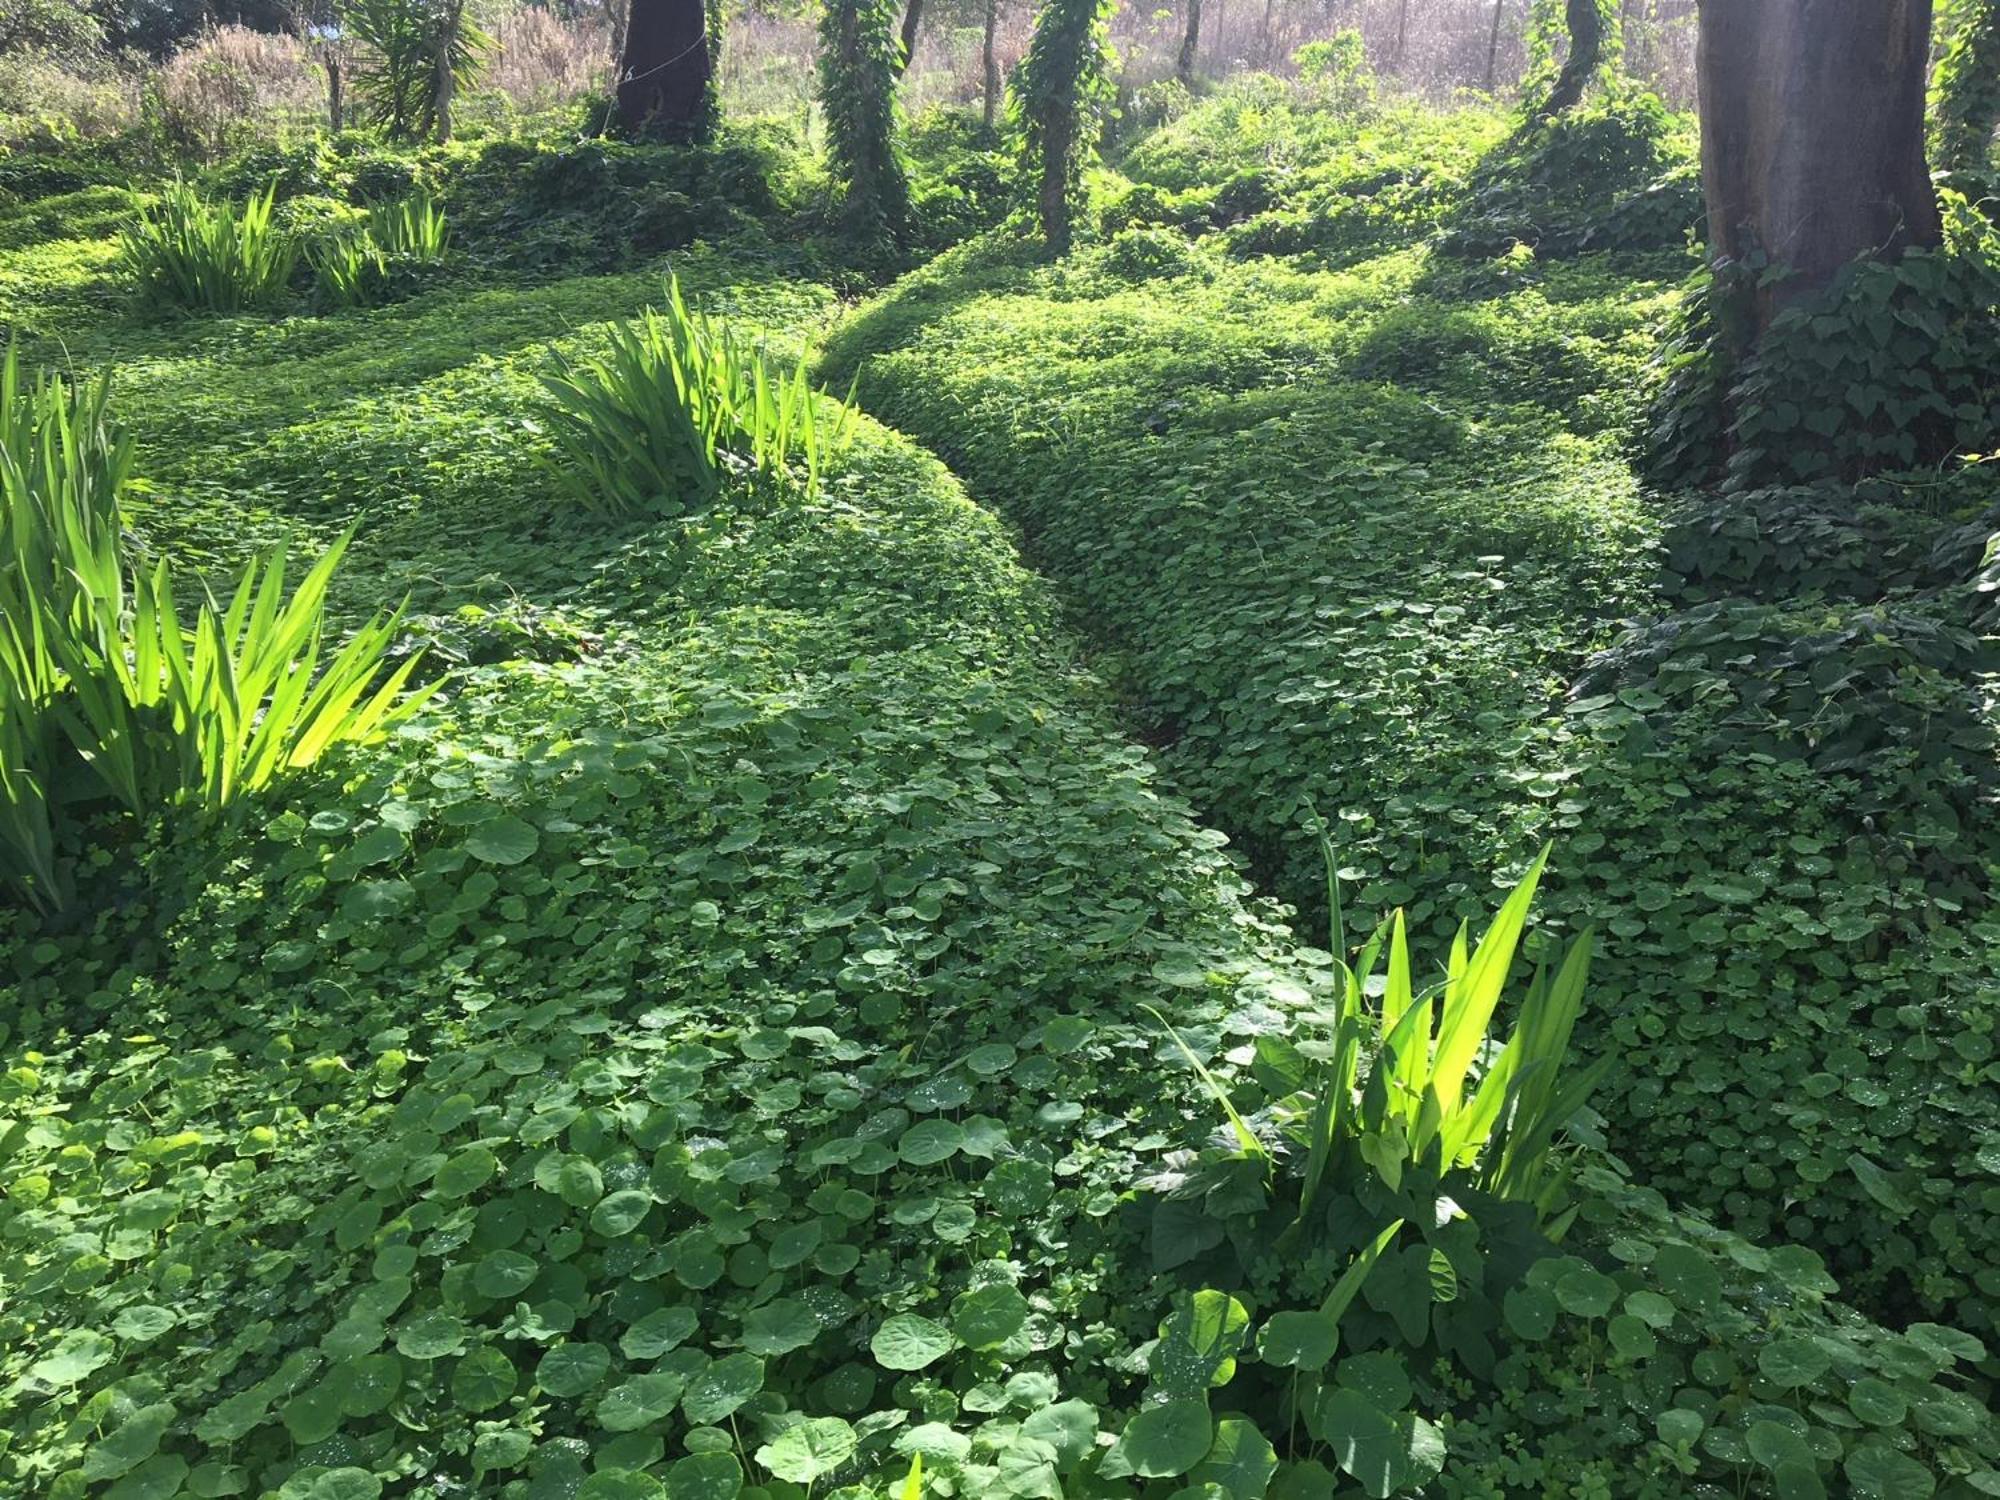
[{"x": 1351, "y": 539}]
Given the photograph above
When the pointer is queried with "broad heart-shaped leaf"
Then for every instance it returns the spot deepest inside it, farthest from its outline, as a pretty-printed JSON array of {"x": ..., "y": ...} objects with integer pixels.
[
  {"x": 1166, "y": 1440},
  {"x": 504, "y": 840},
  {"x": 658, "y": 1332},
  {"x": 1363, "y": 1437},
  {"x": 1027, "y": 1468},
  {"x": 1792, "y": 1362},
  {"x": 465, "y": 1173},
  {"x": 1242, "y": 1460},
  {"x": 1198, "y": 1345},
  {"x": 1879, "y": 1472},
  {"x": 810, "y": 1450},
  {"x": 618, "y": 1214},
  {"x": 620, "y": 1484},
  {"x": 158, "y": 1478},
  {"x": 722, "y": 1387},
  {"x": 1401, "y": 1287},
  {"x": 1301, "y": 1340},
  {"x": 908, "y": 1341},
  {"x": 705, "y": 1476},
  {"x": 989, "y": 1316},
  {"x": 1068, "y": 1427},
  {"x": 129, "y": 1444},
  {"x": 779, "y": 1327},
  {"x": 640, "y": 1401},
  {"x": 572, "y": 1369}
]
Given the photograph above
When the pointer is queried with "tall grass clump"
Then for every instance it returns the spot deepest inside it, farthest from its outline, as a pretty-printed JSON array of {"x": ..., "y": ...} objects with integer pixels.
[
  {"x": 186, "y": 252},
  {"x": 106, "y": 697},
  {"x": 381, "y": 256},
  {"x": 675, "y": 403}
]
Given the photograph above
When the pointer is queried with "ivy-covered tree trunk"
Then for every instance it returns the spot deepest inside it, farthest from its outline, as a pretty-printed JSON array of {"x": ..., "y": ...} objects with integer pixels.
[
  {"x": 989, "y": 66},
  {"x": 1585, "y": 23},
  {"x": 1812, "y": 143},
  {"x": 1966, "y": 110},
  {"x": 913, "y": 16},
  {"x": 857, "y": 89},
  {"x": 1190, "y": 45},
  {"x": 666, "y": 75},
  {"x": 1062, "y": 84}
]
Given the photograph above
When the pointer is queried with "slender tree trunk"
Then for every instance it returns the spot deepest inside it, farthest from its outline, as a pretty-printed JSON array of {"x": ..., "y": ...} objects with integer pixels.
[
  {"x": 989, "y": 65},
  {"x": 913, "y": 15},
  {"x": 335, "y": 112},
  {"x": 1493, "y": 46},
  {"x": 1264, "y": 31},
  {"x": 442, "y": 82},
  {"x": 1586, "y": 50},
  {"x": 1812, "y": 142},
  {"x": 664, "y": 74},
  {"x": 1402, "y": 31},
  {"x": 1190, "y": 45}
]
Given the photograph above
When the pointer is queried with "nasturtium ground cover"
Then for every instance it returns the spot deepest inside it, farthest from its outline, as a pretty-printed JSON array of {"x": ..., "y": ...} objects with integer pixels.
[
  {"x": 1353, "y": 519},
  {"x": 714, "y": 1049}
]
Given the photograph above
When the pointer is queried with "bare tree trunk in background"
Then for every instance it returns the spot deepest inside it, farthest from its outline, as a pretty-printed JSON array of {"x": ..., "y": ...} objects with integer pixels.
[
  {"x": 1586, "y": 50},
  {"x": 989, "y": 64},
  {"x": 443, "y": 84},
  {"x": 1812, "y": 142},
  {"x": 1264, "y": 31},
  {"x": 913, "y": 15},
  {"x": 663, "y": 74},
  {"x": 335, "y": 115},
  {"x": 1190, "y": 45},
  {"x": 1402, "y": 31},
  {"x": 1493, "y": 46}
]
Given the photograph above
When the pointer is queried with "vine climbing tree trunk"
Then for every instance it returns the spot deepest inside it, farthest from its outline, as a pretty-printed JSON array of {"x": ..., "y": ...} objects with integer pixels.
[
  {"x": 1812, "y": 142},
  {"x": 1967, "y": 90},
  {"x": 1062, "y": 86},
  {"x": 1585, "y": 23},
  {"x": 989, "y": 66},
  {"x": 666, "y": 72},
  {"x": 1190, "y": 45}
]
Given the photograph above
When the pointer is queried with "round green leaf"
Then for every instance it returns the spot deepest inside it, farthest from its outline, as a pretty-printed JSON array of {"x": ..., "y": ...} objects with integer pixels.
[
  {"x": 483, "y": 1379},
  {"x": 503, "y": 1273},
  {"x": 988, "y": 1317},
  {"x": 1878, "y": 1472},
  {"x": 705, "y": 1476},
  {"x": 466, "y": 1172},
  {"x": 572, "y": 1369},
  {"x": 779, "y": 1327},
  {"x": 504, "y": 840},
  {"x": 722, "y": 1387},
  {"x": 1169, "y": 1439},
  {"x": 620, "y": 1484},
  {"x": 910, "y": 1342},
  {"x": 432, "y": 1335},
  {"x": 809, "y": 1450},
  {"x": 620, "y": 1213},
  {"x": 639, "y": 1402}
]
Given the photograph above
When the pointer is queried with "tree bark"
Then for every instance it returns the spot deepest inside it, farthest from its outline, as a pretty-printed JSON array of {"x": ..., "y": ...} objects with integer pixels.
[
  {"x": 1586, "y": 49},
  {"x": 443, "y": 83},
  {"x": 913, "y": 15},
  {"x": 664, "y": 73},
  {"x": 1402, "y": 31},
  {"x": 335, "y": 114},
  {"x": 1053, "y": 198},
  {"x": 989, "y": 64},
  {"x": 1493, "y": 46},
  {"x": 1812, "y": 139},
  {"x": 1190, "y": 45}
]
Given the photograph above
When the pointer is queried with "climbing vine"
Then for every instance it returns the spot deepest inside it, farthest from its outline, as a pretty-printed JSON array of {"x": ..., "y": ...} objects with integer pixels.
[
  {"x": 1965, "y": 96},
  {"x": 1559, "y": 67},
  {"x": 1061, "y": 91},
  {"x": 857, "y": 88}
]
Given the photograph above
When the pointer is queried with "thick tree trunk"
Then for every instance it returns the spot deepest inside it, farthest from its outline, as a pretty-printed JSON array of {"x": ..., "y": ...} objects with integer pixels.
[
  {"x": 1812, "y": 138},
  {"x": 1493, "y": 46},
  {"x": 663, "y": 76},
  {"x": 1190, "y": 45},
  {"x": 1053, "y": 198},
  {"x": 1586, "y": 49},
  {"x": 913, "y": 15}
]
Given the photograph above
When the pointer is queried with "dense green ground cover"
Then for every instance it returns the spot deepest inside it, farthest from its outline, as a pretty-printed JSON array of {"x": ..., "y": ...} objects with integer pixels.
[
  {"x": 1369, "y": 538},
  {"x": 706, "y": 1048}
]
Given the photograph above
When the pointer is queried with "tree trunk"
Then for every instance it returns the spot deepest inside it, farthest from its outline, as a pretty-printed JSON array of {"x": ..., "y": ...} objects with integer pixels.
[
  {"x": 442, "y": 81},
  {"x": 1586, "y": 50},
  {"x": 989, "y": 64},
  {"x": 1190, "y": 45},
  {"x": 335, "y": 114},
  {"x": 913, "y": 15},
  {"x": 1493, "y": 47},
  {"x": 1053, "y": 199},
  {"x": 1402, "y": 31},
  {"x": 664, "y": 74},
  {"x": 1812, "y": 141}
]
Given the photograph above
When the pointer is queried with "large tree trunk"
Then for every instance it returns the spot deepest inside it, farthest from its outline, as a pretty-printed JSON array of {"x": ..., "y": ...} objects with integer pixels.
[
  {"x": 913, "y": 15},
  {"x": 1586, "y": 49},
  {"x": 1190, "y": 45},
  {"x": 663, "y": 76},
  {"x": 1053, "y": 198},
  {"x": 1812, "y": 138},
  {"x": 989, "y": 64}
]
